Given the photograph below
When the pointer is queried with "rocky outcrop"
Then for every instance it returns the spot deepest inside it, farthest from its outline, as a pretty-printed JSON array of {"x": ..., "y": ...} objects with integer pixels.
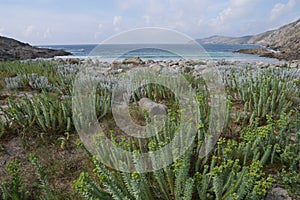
[
  {"x": 285, "y": 41},
  {"x": 261, "y": 51},
  {"x": 282, "y": 43},
  {"x": 278, "y": 194},
  {"x": 11, "y": 49},
  {"x": 285, "y": 36}
]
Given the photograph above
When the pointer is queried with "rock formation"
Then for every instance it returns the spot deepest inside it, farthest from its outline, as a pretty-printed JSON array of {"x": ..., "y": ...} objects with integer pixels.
[
  {"x": 285, "y": 40},
  {"x": 11, "y": 49},
  {"x": 282, "y": 43}
]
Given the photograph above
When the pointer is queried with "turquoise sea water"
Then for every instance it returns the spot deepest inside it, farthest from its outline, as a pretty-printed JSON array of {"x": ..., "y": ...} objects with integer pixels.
[{"x": 162, "y": 51}]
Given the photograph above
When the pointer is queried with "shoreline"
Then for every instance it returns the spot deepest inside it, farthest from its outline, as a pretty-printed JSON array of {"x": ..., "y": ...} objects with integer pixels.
[
  {"x": 271, "y": 53},
  {"x": 82, "y": 58},
  {"x": 87, "y": 59},
  {"x": 205, "y": 51}
]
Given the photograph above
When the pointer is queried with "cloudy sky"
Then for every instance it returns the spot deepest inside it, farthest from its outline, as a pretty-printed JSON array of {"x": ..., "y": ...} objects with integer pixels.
[{"x": 92, "y": 21}]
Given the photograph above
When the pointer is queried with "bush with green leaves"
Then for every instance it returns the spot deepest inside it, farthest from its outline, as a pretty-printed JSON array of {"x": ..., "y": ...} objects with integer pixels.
[
  {"x": 233, "y": 171},
  {"x": 236, "y": 166},
  {"x": 41, "y": 113},
  {"x": 290, "y": 179},
  {"x": 48, "y": 192},
  {"x": 38, "y": 75},
  {"x": 16, "y": 188},
  {"x": 3, "y": 126},
  {"x": 263, "y": 92}
]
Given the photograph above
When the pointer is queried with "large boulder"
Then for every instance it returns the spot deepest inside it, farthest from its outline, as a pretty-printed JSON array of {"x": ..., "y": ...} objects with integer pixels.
[
  {"x": 134, "y": 60},
  {"x": 74, "y": 61},
  {"x": 278, "y": 193},
  {"x": 153, "y": 108},
  {"x": 156, "y": 67}
]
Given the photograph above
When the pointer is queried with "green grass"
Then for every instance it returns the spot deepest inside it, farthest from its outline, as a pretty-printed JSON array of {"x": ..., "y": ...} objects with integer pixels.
[
  {"x": 42, "y": 68},
  {"x": 47, "y": 69}
]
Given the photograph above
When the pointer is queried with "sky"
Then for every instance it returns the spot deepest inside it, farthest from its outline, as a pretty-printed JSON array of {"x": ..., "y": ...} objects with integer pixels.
[{"x": 46, "y": 22}]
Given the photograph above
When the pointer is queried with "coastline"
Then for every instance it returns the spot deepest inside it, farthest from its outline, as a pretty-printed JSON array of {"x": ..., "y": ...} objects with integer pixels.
[
  {"x": 195, "y": 66},
  {"x": 270, "y": 53},
  {"x": 119, "y": 52}
]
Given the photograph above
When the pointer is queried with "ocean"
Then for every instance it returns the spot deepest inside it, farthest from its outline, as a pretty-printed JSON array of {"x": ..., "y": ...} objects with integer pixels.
[{"x": 162, "y": 51}]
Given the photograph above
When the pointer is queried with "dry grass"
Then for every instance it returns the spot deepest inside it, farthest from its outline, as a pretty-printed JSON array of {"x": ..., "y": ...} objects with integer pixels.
[{"x": 62, "y": 166}]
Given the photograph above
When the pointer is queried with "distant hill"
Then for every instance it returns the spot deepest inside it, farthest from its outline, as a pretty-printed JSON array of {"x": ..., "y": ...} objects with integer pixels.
[
  {"x": 286, "y": 40},
  {"x": 282, "y": 43},
  {"x": 216, "y": 39},
  {"x": 11, "y": 49}
]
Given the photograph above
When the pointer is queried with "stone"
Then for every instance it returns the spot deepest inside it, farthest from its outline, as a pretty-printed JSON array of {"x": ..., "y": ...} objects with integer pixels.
[
  {"x": 171, "y": 64},
  {"x": 182, "y": 63},
  {"x": 295, "y": 100},
  {"x": 153, "y": 108},
  {"x": 294, "y": 65},
  {"x": 117, "y": 71},
  {"x": 59, "y": 60},
  {"x": 134, "y": 60},
  {"x": 175, "y": 66},
  {"x": 115, "y": 62},
  {"x": 200, "y": 68},
  {"x": 73, "y": 61},
  {"x": 156, "y": 67},
  {"x": 149, "y": 62},
  {"x": 278, "y": 194},
  {"x": 197, "y": 74},
  {"x": 187, "y": 69},
  {"x": 163, "y": 64}
]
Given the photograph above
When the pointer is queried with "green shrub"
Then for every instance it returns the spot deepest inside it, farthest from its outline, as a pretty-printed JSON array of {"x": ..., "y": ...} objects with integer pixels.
[
  {"x": 15, "y": 189},
  {"x": 235, "y": 168},
  {"x": 43, "y": 113}
]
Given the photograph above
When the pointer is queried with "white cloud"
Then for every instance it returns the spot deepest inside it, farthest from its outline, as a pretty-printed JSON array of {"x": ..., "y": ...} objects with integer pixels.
[
  {"x": 147, "y": 19},
  {"x": 28, "y": 31},
  {"x": 37, "y": 32},
  {"x": 117, "y": 20},
  {"x": 181, "y": 15},
  {"x": 198, "y": 18},
  {"x": 280, "y": 9},
  {"x": 236, "y": 10},
  {"x": 47, "y": 34},
  {"x": 156, "y": 7},
  {"x": 97, "y": 35},
  {"x": 193, "y": 17},
  {"x": 231, "y": 16},
  {"x": 126, "y": 4},
  {"x": 2, "y": 30}
]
